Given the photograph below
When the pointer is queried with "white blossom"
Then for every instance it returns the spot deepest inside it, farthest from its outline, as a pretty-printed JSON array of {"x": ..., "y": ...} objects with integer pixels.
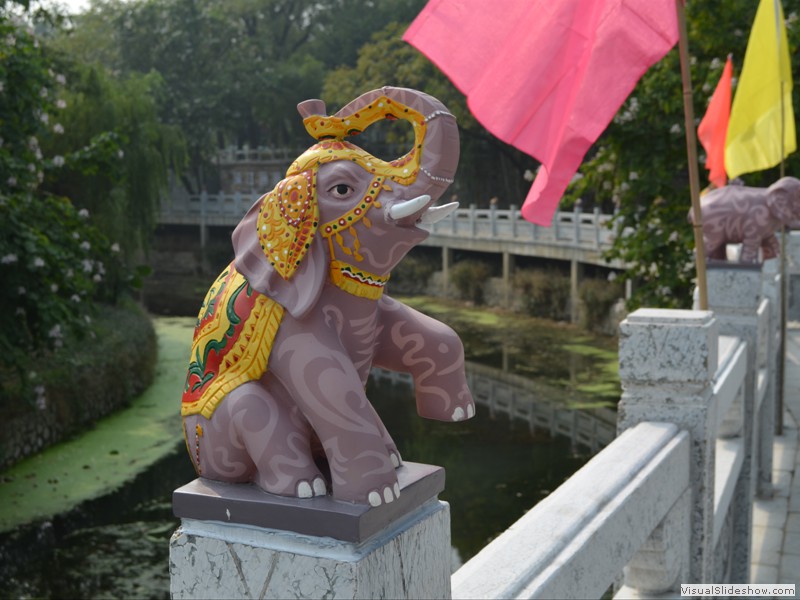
[
  {"x": 83, "y": 213},
  {"x": 675, "y": 128},
  {"x": 60, "y": 103},
  {"x": 55, "y": 331},
  {"x": 38, "y": 261},
  {"x": 58, "y": 161},
  {"x": 76, "y": 235},
  {"x": 9, "y": 259},
  {"x": 115, "y": 247},
  {"x": 633, "y": 175},
  {"x": 54, "y": 288},
  {"x": 85, "y": 245},
  {"x": 97, "y": 277},
  {"x": 41, "y": 398},
  {"x": 75, "y": 298},
  {"x": 87, "y": 265},
  {"x": 21, "y": 291},
  {"x": 58, "y": 128},
  {"x": 61, "y": 79}
]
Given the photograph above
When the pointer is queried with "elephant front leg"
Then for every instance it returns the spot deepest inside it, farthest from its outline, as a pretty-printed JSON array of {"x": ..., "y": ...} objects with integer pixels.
[
  {"x": 323, "y": 382},
  {"x": 432, "y": 353}
]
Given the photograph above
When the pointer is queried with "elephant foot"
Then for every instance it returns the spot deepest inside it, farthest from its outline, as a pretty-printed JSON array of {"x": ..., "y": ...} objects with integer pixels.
[
  {"x": 460, "y": 415},
  {"x": 389, "y": 494},
  {"x": 304, "y": 486},
  {"x": 315, "y": 488}
]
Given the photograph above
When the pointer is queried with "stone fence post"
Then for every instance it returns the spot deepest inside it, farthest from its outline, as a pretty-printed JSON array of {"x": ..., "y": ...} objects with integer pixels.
[
  {"x": 667, "y": 362},
  {"x": 236, "y": 541}
]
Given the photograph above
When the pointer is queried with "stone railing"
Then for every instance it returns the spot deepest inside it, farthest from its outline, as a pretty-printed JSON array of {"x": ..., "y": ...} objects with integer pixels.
[
  {"x": 670, "y": 500},
  {"x": 573, "y": 228}
]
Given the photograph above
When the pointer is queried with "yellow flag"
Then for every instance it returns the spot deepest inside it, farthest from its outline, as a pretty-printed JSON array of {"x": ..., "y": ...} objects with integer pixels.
[{"x": 763, "y": 93}]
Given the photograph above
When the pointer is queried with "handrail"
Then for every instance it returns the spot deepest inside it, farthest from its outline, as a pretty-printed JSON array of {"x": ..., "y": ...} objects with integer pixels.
[
  {"x": 593, "y": 524},
  {"x": 587, "y": 231}
]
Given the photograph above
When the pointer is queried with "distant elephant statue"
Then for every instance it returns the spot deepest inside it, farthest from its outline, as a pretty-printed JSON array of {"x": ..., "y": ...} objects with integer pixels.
[
  {"x": 750, "y": 216},
  {"x": 288, "y": 333}
]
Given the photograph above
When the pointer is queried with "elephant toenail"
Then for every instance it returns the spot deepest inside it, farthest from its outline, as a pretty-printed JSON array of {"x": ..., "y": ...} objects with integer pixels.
[
  {"x": 395, "y": 459},
  {"x": 374, "y": 499},
  {"x": 304, "y": 490},
  {"x": 396, "y": 490},
  {"x": 319, "y": 487},
  {"x": 458, "y": 414},
  {"x": 387, "y": 495},
  {"x": 470, "y": 411}
]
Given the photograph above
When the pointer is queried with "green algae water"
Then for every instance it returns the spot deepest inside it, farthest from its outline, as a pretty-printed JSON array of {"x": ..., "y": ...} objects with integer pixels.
[{"x": 92, "y": 518}]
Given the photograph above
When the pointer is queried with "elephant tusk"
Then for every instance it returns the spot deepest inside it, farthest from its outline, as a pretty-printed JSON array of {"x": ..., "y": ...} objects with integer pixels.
[
  {"x": 401, "y": 210},
  {"x": 436, "y": 213}
]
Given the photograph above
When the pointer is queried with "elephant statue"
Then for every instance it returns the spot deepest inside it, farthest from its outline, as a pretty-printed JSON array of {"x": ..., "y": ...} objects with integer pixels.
[
  {"x": 750, "y": 216},
  {"x": 287, "y": 334}
]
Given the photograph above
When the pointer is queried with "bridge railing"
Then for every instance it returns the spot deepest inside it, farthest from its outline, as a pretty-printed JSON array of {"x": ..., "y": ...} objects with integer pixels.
[
  {"x": 586, "y": 230},
  {"x": 575, "y": 228},
  {"x": 670, "y": 500}
]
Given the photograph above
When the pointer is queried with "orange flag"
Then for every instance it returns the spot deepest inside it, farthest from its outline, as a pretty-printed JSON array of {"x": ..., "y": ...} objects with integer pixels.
[{"x": 714, "y": 127}]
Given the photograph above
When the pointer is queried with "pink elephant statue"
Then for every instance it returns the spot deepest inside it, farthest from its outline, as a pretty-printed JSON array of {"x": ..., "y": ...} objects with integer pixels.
[
  {"x": 750, "y": 216},
  {"x": 288, "y": 333}
]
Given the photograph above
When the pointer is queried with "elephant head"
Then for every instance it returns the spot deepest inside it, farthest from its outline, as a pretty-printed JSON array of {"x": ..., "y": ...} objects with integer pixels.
[
  {"x": 290, "y": 330},
  {"x": 339, "y": 203}
]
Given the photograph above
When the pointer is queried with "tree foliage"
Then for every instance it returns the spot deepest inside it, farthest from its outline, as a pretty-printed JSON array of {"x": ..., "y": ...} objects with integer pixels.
[
  {"x": 639, "y": 167},
  {"x": 69, "y": 146}
]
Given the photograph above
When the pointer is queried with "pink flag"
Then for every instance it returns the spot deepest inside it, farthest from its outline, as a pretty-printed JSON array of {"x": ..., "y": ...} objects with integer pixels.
[
  {"x": 546, "y": 77},
  {"x": 713, "y": 128}
]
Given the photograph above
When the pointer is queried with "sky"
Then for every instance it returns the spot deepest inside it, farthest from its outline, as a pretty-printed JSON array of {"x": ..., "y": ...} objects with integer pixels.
[{"x": 72, "y": 6}]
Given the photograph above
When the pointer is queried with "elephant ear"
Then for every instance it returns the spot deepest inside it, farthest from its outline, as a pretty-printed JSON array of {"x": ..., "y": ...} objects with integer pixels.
[
  {"x": 276, "y": 246},
  {"x": 783, "y": 199}
]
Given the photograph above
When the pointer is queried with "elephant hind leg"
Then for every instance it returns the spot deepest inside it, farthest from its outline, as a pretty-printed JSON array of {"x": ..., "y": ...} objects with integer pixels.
[
  {"x": 252, "y": 436},
  {"x": 277, "y": 438}
]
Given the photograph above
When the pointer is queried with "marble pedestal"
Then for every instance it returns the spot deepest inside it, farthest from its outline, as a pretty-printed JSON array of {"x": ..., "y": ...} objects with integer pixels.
[{"x": 236, "y": 541}]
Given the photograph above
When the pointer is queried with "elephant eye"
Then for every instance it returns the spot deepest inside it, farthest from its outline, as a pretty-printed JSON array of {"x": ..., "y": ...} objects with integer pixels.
[{"x": 341, "y": 190}]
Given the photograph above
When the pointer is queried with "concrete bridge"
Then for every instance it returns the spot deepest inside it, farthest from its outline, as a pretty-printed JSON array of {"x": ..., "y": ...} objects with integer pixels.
[{"x": 576, "y": 237}]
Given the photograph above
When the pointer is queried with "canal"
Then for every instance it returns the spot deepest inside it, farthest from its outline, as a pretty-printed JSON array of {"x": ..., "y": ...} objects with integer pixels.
[{"x": 498, "y": 464}]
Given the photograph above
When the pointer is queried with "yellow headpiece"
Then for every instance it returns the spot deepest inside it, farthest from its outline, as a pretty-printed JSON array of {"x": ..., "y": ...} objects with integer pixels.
[{"x": 289, "y": 214}]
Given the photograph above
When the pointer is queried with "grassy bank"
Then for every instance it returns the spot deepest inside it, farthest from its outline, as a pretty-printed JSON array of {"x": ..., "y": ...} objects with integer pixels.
[{"x": 114, "y": 451}]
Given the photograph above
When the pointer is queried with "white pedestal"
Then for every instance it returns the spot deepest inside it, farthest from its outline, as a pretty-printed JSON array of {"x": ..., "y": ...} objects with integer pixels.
[{"x": 407, "y": 558}]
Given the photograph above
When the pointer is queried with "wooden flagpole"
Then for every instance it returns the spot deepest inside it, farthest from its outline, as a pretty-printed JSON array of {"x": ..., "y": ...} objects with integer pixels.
[
  {"x": 691, "y": 148},
  {"x": 781, "y": 366}
]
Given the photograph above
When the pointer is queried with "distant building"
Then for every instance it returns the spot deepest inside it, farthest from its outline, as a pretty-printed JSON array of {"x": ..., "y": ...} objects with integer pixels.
[{"x": 252, "y": 170}]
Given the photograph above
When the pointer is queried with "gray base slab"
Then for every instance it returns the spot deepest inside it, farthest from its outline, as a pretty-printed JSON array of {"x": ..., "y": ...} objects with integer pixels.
[{"x": 246, "y": 504}]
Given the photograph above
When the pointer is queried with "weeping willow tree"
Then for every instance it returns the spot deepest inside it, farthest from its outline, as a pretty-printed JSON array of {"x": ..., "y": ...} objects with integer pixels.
[{"x": 115, "y": 155}]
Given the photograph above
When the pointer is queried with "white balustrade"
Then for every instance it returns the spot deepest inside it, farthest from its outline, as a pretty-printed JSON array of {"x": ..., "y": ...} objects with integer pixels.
[{"x": 670, "y": 500}]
